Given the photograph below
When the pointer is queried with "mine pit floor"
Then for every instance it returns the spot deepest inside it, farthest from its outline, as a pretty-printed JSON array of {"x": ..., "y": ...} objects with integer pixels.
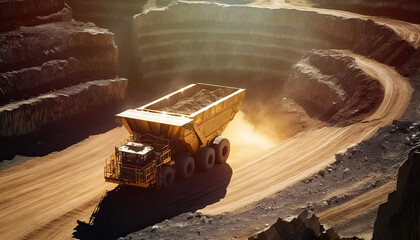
[{"x": 45, "y": 196}]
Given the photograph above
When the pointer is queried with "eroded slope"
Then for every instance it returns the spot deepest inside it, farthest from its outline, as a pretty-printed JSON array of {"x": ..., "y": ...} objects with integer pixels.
[
  {"x": 198, "y": 41},
  {"x": 51, "y": 67}
]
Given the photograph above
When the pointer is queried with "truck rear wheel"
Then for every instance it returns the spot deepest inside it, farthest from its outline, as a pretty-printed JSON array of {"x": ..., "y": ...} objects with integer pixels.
[
  {"x": 185, "y": 166},
  {"x": 168, "y": 176},
  {"x": 205, "y": 158},
  {"x": 222, "y": 149}
]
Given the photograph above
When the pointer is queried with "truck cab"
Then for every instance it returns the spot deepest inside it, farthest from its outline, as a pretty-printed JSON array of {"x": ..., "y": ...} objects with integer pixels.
[{"x": 137, "y": 154}]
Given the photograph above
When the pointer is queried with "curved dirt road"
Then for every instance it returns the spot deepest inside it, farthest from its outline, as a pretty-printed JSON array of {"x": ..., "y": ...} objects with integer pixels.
[
  {"x": 46, "y": 196},
  {"x": 357, "y": 206},
  {"x": 308, "y": 152},
  {"x": 43, "y": 198}
]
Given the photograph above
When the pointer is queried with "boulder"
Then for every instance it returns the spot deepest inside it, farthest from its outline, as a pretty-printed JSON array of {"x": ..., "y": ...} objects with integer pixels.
[
  {"x": 305, "y": 227},
  {"x": 399, "y": 217}
]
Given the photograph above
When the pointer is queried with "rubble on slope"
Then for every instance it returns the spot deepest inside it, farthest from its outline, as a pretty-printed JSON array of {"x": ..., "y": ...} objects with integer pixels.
[
  {"x": 331, "y": 87},
  {"x": 362, "y": 168},
  {"x": 305, "y": 226},
  {"x": 52, "y": 67},
  {"x": 27, "y": 115},
  {"x": 201, "y": 99},
  {"x": 14, "y": 14}
]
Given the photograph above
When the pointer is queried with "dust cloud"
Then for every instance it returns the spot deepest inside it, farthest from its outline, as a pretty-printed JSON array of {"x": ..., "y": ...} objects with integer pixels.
[
  {"x": 262, "y": 125},
  {"x": 246, "y": 140}
]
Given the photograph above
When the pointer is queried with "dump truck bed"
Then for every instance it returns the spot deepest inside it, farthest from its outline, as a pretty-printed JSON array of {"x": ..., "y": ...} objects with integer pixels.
[{"x": 192, "y": 116}]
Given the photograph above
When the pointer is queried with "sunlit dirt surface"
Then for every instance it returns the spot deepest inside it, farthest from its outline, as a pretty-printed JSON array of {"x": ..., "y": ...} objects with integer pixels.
[
  {"x": 309, "y": 151},
  {"x": 47, "y": 195},
  {"x": 246, "y": 141},
  {"x": 43, "y": 197}
]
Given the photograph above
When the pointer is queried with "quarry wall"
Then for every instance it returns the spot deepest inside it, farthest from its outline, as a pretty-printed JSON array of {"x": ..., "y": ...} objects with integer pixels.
[
  {"x": 14, "y": 14},
  {"x": 116, "y": 16},
  {"x": 399, "y": 217},
  {"x": 249, "y": 46},
  {"x": 331, "y": 94},
  {"x": 51, "y": 67},
  {"x": 404, "y": 9}
]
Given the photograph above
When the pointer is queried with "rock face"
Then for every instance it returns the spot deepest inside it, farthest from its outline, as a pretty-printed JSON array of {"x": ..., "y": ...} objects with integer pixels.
[
  {"x": 53, "y": 70},
  {"x": 25, "y": 116},
  {"x": 14, "y": 14},
  {"x": 51, "y": 56},
  {"x": 404, "y": 9},
  {"x": 117, "y": 17},
  {"x": 256, "y": 47},
  {"x": 399, "y": 217},
  {"x": 251, "y": 39},
  {"x": 305, "y": 227},
  {"x": 351, "y": 94}
]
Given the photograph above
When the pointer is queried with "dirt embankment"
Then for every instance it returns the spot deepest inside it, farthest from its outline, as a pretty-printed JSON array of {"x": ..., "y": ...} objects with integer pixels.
[
  {"x": 202, "y": 39},
  {"x": 115, "y": 16},
  {"x": 52, "y": 71},
  {"x": 407, "y": 10},
  {"x": 242, "y": 46},
  {"x": 18, "y": 118},
  {"x": 255, "y": 48},
  {"x": 42, "y": 58},
  {"x": 14, "y": 14},
  {"x": 333, "y": 88}
]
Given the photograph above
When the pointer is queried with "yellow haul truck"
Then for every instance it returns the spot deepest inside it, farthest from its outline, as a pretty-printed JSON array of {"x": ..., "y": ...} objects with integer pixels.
[{"x": 174, "y": 135}]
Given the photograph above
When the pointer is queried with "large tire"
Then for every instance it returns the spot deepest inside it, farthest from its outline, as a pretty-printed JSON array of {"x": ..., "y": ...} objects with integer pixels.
[
  {"x": 206, "y": 158},
  {"x": 167, "y": 176},
  {"x": 222, "y": 149},
  {"x": 185, "y": 166}
]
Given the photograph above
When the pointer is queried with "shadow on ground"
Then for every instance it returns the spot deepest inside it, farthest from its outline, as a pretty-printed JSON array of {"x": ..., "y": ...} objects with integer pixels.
[{"x": 129, "y": 209}]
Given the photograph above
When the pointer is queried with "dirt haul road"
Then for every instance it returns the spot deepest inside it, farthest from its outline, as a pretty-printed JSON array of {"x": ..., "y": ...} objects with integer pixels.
[
  {"x": 42, "y": 198},
  {"x": 308, "y": 152}
]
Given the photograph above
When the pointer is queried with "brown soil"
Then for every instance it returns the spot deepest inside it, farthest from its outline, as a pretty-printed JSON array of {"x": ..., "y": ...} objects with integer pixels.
[
  {"x": 265, "y": 178},
  {"x": 51, "y": 68},
  {"x": 352, "y": 94},
  {"x": 279, "y": 166},
  {"x": 201, "y": 99}
]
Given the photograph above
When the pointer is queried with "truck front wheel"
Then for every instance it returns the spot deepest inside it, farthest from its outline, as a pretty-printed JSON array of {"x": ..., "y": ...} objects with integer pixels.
[
  {"x": 222, "y": 148},
  {"x": 205, "y": 158},
  {"x": 185, "y": 166},
  {"x": 168, "y": 176}
]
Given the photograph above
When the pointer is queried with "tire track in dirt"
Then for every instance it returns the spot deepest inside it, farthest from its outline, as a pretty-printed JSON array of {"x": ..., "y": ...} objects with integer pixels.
[
  {"x": 38, "y": 193},
  {"x": 357, "y": 206},
  {"x": 48, "y": 188},
  {"x": 308, "y": 152}
]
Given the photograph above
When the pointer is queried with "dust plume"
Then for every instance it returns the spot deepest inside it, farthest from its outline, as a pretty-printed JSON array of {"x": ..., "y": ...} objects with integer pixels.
[
  {"x": 262, "y": 125},
  {"x": 246, "y": 140}
]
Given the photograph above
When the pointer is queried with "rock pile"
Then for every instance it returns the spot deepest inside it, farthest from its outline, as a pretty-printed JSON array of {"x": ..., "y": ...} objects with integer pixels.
[
  {"x": 196, "y": 102},
  {"x": 305, "y": 226},
  {"x": 51, "y": 67}
]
